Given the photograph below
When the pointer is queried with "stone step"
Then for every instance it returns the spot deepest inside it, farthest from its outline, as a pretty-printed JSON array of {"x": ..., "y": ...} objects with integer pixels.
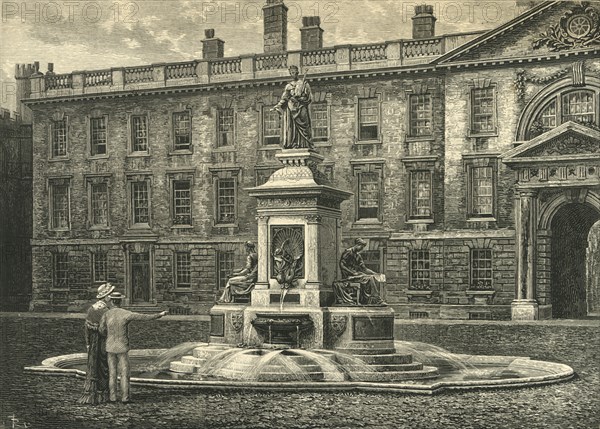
[
  {"x": 178, "y": 366},
  {"x": 282, "y": 376},
  {"x": 192, "y": 360},
  {"x": 397, "y": 358},
  {"x": 388, "y": 368},
  {"x": 394, "y": 376},
  {"x": 208, "y": 351}
]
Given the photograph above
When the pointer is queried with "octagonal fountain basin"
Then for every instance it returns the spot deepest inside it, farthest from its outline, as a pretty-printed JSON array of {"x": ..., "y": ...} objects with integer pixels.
[{"x": 414, "y": 368}]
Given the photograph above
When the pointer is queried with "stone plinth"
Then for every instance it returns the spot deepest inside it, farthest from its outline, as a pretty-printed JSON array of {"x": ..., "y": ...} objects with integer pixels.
[
  {"x": 524, "y": 310},
  {"x": 360, "y": 330}
]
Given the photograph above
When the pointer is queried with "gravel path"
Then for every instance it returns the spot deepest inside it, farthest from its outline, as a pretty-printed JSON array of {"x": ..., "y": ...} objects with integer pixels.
[{"x": 45, "y": 402}]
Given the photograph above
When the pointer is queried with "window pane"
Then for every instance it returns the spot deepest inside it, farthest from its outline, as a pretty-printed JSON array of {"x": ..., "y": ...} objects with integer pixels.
[
  {"x": 60, "y": 206},
  {"x": 183, "y": 270},
  {"x": 182, "y": 202},
  {"x": 271, "y": 127},
  {"x": 140, "y": 202},
  {"x": 61, "y": 270},
  {"x": 421, "y": 193},
  {"x": 320, "y": 129},
  {"x": 481, "y": 269},
  {"x": 225, "y": 260},
  {"x": 99, "y": 204},
  {"x": 226, "y": 201},
  {"x": 420, "y": 115},
  {"x": 419, "y": 269},
  {"x": 182, "y": 126},
  {"x": 139, "y": 129},
  {"x": 100, "y": 266},
  {"x": 482, "y": 190},
  {"x": 368, "y": 118},
  {"x": 578, "y": 106},
  {"x": 98, "y": 136},
  {"x": 59, "y": 138},
  {"x": 483, "y": 110},
  {"x": 368, "y": 195},
  {"x": 225, "y": 125}
]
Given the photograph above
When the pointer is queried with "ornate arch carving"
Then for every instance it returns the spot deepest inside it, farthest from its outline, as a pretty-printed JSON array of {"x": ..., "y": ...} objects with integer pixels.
[{"x": 539, "y": 100}]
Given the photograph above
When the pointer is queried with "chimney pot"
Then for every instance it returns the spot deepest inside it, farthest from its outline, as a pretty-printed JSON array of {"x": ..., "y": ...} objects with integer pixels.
[
  {"x": 50, "y": 67},
  {"x": 423, "y": 22},
  {"x": 311, "y": 33},
  {"x": 212, "y": 47}
]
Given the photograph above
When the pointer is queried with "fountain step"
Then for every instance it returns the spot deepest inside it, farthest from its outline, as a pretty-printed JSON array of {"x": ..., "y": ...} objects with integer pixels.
[
  {"x": 280, "y": 376},
  {"x": 208, "y": 351},
  {"x": 388, "y": 368},
  {"x": 387, "y": 359},
  {"x": 186, "y": 368},
  {"x": 193, "y": 360},
  {"x": 394, "y": 376},
  {"x": 397, "y": 358}
]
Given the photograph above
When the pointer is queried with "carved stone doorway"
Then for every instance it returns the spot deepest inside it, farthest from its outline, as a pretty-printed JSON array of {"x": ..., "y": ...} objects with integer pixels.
[{"x": 570, "y": 228}]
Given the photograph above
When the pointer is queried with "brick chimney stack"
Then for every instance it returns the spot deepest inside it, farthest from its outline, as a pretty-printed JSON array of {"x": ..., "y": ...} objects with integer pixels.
[
  {"x": 311, "y": 33},
  {"x": 275, "y": 26},
  {"x": 423, "y": 22},
  {"x": 212, "y": 47}
]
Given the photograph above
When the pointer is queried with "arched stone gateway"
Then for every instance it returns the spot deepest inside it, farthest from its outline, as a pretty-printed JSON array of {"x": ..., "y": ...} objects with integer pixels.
[{"x": 557, "y": 200}]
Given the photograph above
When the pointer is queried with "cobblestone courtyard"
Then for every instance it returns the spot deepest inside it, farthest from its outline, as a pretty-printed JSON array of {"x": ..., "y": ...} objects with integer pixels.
[{"x": 41, "y": 402}]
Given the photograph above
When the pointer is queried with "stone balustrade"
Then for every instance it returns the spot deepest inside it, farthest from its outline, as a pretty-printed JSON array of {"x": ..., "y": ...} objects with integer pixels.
[
  {"x": 392, "y": 54},
  {"x": 181, "y": 70},
  {"x": 97, "y": 78}
]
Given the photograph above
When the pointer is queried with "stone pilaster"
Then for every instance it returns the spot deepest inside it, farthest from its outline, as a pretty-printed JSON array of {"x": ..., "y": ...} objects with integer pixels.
[{"x": 525, "y": 306}]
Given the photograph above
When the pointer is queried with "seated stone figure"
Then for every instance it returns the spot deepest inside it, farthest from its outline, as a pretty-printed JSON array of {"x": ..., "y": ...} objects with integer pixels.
[
  {"x": 359, "y": 285},
  {"x": 242, "y": 281}
]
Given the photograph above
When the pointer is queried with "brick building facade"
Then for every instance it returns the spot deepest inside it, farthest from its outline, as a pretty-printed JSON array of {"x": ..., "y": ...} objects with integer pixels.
[{"x": 456, "y": 156}]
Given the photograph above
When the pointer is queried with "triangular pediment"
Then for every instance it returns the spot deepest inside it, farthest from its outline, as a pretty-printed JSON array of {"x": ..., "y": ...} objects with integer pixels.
[
  {"x": 549, "y": 27},
  {"x": 569, "y": 141}
]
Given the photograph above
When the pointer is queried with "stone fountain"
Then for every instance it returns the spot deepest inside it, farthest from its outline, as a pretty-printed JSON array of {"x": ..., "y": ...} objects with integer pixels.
[{"x": 298, "y": 206}]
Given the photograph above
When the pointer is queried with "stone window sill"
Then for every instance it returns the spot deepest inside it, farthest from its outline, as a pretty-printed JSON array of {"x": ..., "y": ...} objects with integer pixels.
[
  {"x": 481, "y": 219},
  {"x": 97, "y": 157},
  {"x": 59, "y": 159},
  {"x": 426, "y": 220},
  {"x": 410, "y": 139},
  {"x": 139, "y": 155},
  {"x": 269, "y": 147},
  {"x": 367, "y": 142},
  {"x": 419, "y": 292}
]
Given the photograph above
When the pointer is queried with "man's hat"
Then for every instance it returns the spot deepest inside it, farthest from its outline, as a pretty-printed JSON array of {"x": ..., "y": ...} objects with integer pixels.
[
  {"x": 360, "y": 241},
  {"x": 104, "y": 290},
  {"x": 116, "y": 295}
]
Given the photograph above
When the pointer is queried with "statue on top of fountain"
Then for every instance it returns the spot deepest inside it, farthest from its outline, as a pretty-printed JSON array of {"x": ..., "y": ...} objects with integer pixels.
[
  {"x": 242, "y": 281},
  {"x": 293, "y": 108},
  {"x": 359, "y": 284}
]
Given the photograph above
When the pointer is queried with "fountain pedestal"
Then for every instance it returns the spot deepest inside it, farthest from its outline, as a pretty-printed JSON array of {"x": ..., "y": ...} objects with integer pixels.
[{"x": 298, "y": 214}]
